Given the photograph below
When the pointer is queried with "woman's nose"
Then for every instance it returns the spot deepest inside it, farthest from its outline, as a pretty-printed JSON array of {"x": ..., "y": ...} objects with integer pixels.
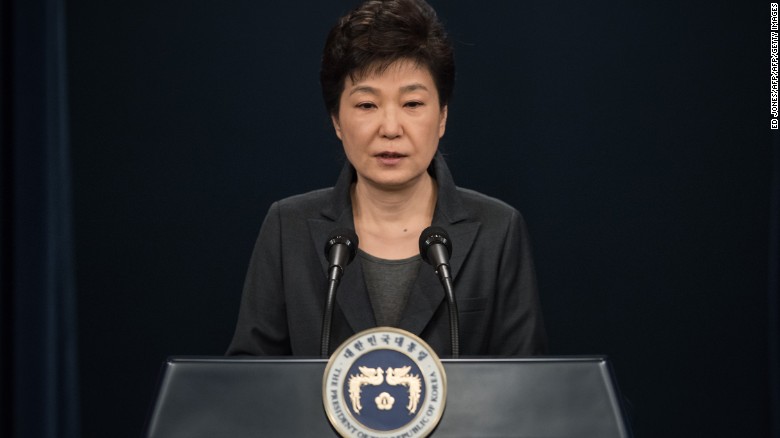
[{"x": 391, "y": 127}]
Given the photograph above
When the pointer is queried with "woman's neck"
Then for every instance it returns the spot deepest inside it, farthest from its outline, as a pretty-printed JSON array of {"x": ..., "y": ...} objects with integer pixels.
[{"x": 389, "y": 223}]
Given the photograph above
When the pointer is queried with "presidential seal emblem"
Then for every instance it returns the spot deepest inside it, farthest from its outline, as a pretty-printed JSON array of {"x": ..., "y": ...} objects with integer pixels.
[{"x": 384, "y": 382}]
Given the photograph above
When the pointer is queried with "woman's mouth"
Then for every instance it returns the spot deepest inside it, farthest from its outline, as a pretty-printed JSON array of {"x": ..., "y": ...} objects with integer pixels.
[{"x": 389, "y": 158}]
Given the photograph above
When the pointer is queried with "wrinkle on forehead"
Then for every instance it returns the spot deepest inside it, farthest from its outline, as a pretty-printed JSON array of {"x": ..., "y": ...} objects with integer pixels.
[{"x": 379, "y": 68}]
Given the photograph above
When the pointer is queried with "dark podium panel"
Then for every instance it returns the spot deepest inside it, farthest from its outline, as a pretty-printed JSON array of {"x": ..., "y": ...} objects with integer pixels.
[{"x": 251, "y": 397}]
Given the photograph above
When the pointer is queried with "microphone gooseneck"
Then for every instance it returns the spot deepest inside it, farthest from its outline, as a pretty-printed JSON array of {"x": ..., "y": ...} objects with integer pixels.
[
  {"x": 340, "y": 249},
  {"x": 436, "y": 249}
]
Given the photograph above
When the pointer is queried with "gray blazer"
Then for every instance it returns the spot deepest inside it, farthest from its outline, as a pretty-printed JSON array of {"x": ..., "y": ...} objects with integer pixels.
[{"x": 494, "y": 281}]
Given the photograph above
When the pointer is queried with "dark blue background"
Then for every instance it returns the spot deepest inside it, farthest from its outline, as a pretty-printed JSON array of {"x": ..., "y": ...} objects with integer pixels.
[{"x": 633, "y": 136}]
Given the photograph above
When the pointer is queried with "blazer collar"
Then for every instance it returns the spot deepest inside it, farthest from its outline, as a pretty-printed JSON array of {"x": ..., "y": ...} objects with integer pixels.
[
  {"x": 427, "y": 293},
  {"x": 448, "y": 203}
]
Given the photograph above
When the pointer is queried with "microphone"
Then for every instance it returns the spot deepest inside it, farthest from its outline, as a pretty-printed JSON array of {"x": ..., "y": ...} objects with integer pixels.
[
  {"x": 436, "y": 249},
  {"x": 340, "y": 249}
]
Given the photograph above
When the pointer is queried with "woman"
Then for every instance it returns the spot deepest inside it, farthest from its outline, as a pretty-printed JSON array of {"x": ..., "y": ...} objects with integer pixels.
[{"x": 387, "y": 76}]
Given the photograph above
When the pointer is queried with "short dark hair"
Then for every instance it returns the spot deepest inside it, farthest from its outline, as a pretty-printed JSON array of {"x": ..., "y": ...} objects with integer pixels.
[{"x": 378, "y": 33}]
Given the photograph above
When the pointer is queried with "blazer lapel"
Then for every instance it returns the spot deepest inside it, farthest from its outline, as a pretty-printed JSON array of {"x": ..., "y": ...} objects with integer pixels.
[
  {"x": 462, "y": 236},
  {"x": 427, "y": 291},
  {"x": 351, "y": 297},
  {"x": 424, "y": 298}
]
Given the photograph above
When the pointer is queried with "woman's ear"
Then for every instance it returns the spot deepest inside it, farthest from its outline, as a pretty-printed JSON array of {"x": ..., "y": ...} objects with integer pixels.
[
  {"x": 336, "y": 125},
  {"x": 442, "y": 121}
]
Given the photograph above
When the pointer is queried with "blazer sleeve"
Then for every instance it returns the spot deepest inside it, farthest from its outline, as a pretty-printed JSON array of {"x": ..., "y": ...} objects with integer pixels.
[
  {"x": 262, "y": 319},
  {"x": 519, "y": 328}
]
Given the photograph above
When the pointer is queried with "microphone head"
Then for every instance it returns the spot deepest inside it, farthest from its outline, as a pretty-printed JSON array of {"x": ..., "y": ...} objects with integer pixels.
[
  {"x": 432, "y": 236},
  {"x": 343, "y": 236}
]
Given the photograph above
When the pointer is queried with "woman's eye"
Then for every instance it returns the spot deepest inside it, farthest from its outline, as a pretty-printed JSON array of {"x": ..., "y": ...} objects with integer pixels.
[
  {"x": 413, "y": 104},
  {"x": 365, "y": 105}
]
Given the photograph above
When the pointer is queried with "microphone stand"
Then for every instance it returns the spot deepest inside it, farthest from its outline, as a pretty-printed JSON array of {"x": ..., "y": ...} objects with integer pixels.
[
  {"x": 435, "y": 249},
  {"x": 340, "y": 250},
  {"x": 446, "y": 281},
  {"x": 327, "y": 317}
]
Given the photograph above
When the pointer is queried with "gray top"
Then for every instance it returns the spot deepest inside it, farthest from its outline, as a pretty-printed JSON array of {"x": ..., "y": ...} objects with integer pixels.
[{"x": 389, "y": 283}]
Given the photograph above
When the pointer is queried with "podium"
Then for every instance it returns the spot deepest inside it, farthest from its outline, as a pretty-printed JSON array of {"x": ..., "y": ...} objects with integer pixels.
[{"x": 255, "y": 397}]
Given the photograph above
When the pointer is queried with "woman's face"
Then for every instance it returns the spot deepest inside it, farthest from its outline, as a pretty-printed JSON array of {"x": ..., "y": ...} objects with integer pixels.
[{"x": 390, "y": 124}]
